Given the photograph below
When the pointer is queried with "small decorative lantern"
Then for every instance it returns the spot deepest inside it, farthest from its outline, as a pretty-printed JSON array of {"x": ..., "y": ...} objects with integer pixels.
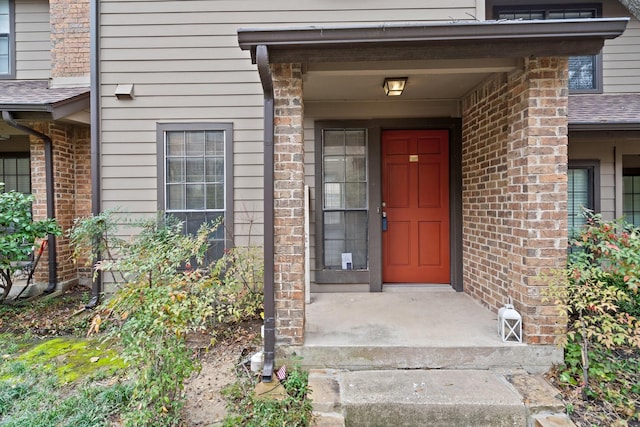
[{"x": 509, "y": 324}]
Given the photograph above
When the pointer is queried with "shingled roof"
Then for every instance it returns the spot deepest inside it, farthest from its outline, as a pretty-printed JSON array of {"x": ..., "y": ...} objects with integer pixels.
[
  {"x": 598, "y": 110},
  {"x": 36, "y": 96}
]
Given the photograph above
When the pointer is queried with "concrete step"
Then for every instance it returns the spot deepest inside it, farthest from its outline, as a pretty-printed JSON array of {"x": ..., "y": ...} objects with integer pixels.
[
  {"x": 532, "y": 358},
  {"x": 432, "y": 398}
]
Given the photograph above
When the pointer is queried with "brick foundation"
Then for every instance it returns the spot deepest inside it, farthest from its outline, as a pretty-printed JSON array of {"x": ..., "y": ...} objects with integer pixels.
[
  {"x": 515, "y": 190},
  {"x": 288, "y": 204}
]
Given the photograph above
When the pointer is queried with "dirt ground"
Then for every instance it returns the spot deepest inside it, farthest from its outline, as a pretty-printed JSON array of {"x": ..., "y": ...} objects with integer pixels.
[{"x": 204, "y": 405}]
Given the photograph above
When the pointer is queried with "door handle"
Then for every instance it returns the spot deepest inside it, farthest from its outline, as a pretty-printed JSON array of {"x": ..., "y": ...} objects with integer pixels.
[{"x": 384, "y": 221}]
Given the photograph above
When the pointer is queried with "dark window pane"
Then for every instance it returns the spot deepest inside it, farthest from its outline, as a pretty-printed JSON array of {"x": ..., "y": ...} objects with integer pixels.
[
  {"x": 195, "y": 143},
  {"x": 215, "y": 169},
  {"x": 195, "y": 196},
  {"x": 195, "y": 169},
  {"x": 175, "y": 143},
  {"x": 215, "y": 196},
  {"x": 175, "y": 197},
  {"x": 175, "y": 170},
  {"x": 214, "y": 143},
  {"x": 581, "y": 72}
]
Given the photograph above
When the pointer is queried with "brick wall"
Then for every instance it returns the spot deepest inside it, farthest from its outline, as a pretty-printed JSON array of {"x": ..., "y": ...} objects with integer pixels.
[
  {"x": 288, "y": 204},
  {"x": 72, "y": 191},
  {"x": 515, "y": 190},
  {"x": 70, "y": 41}
]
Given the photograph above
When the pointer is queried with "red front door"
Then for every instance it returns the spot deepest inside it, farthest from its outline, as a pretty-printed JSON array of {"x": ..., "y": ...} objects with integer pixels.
[{"x": 415, "y": 196}]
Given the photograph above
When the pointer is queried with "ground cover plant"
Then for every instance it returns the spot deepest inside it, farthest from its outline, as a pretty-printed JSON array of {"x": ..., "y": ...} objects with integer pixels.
[
  {"x": 246, "y": 408},
  {"x": 164, "y": 297},
  {"x": 598, "y": 296}
]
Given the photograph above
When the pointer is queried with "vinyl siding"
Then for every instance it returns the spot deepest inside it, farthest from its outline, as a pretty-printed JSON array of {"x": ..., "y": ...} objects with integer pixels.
[
  {"x": 33, "y": 45},
  {"x": 609, "y": 148},
  {"x": 594, "y": 146},
  {"x": 621, "y": 56},
  {"x": 184, "y": 60}
]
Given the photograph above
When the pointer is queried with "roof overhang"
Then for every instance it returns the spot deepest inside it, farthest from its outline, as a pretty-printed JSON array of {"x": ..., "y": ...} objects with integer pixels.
[
  {"x": 432, "y": 40},
  {"x": 34, "y": 100}
]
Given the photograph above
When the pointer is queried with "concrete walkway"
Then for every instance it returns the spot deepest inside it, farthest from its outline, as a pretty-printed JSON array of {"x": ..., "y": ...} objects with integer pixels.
[
  {"x": 439, "y": 398},
  {"x": 411, "y": 328},
  {"x": 421, "y": 356}
]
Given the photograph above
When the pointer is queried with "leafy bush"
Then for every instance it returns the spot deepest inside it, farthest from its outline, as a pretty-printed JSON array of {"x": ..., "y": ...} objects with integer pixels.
[
  {"x": 598, "y": 296},
  {"x": 162, "y": 300},
  {"x": 18, "y": 232}
]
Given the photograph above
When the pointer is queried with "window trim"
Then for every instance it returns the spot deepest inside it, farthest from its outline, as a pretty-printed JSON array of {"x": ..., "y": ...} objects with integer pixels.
[
  {"x": 593, "y": 166},
  {"x": 323, "y": 275},
  {"x": 17, "y": 155},
  {"x": 12, "y": 44},
  {"x": 161, "y": 128},
  {"x": 633, "y": 172},
  {"x": 546, "y": 7}
]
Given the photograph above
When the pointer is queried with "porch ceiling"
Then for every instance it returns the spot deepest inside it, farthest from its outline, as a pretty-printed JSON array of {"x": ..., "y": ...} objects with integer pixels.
[
  {"x": 432, "y": 80},
  {"x": 443, "y": 60}
]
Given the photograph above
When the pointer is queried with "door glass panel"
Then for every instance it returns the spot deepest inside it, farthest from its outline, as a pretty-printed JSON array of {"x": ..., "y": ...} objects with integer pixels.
[
  {"x": 356, "y": 195},
  {"x": 333, "y": 142},
  {"x": 334, "y": 169},
  {"x": 345, "y": 188}
]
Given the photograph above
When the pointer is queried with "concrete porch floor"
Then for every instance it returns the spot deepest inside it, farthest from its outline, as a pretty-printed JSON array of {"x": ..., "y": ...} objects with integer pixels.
[{"x": 409, "y": 327}]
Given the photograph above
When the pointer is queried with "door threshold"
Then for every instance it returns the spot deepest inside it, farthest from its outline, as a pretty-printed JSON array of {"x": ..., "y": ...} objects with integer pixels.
[{"x": 410, "y": 287}]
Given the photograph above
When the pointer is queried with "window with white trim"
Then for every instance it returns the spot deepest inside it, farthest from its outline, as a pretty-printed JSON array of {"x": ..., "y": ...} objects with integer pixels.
[
  {"x": 15, "y": 172},
  {"x": 585, "y": 72},
  {"x": 6, "y": 39},
  {"x": 196, "y": 186}
]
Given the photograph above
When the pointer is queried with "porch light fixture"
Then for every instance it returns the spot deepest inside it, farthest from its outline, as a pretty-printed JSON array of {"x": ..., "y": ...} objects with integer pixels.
[
  {"x": 393, "y": 86},
  {"x": 509, "y": 324}
]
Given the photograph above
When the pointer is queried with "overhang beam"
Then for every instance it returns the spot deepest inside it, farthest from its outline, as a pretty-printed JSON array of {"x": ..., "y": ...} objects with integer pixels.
[{"x": 433, "y": 40}]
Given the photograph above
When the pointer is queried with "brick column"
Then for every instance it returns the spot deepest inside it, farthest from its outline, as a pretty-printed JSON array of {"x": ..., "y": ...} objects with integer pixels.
[
  {"x": 537, "y": 185},
  {"x": 72, "y": 190},
  {"x": 288, "y": 204}
]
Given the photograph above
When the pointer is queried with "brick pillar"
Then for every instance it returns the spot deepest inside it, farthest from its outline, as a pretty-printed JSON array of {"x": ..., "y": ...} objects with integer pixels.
[
  {"x": 288, "y": 204},
  {"x": 70, "y": 42},
  {"x": 72, "y": 183},
  {"x": 537, "y": 184}
]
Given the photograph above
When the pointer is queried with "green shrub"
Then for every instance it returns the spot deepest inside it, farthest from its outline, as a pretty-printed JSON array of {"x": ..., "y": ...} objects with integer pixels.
[
  {"x": 162, "y": 299},
  {"x": 598, "y": 296}
]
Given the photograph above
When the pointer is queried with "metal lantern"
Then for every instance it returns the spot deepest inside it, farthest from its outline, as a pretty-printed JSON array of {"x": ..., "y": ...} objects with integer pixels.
[{"x": 509, "y": 324}]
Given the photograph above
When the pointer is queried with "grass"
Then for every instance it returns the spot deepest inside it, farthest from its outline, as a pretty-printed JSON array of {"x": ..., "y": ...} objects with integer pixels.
[
  {"x": 249, "y": 410},
  {"x": 32, "y": 393}
]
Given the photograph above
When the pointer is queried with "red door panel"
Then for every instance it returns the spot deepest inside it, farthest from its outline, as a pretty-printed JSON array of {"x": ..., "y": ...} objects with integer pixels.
[{"x": 415, "y": 192}]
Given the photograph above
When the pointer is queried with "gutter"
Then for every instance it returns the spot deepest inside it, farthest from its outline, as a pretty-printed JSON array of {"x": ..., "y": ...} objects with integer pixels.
[
  {"x": 48, "y": 160},
  {"x": 433, "y": 40},
  {"x": 262, "y": 59},
  {"x": 94, "y": 102}
]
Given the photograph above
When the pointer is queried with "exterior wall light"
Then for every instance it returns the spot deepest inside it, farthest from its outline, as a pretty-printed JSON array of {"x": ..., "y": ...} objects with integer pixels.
[
  {"x": 393, "y": 86},
  {"x": 124, "y": 91}
]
